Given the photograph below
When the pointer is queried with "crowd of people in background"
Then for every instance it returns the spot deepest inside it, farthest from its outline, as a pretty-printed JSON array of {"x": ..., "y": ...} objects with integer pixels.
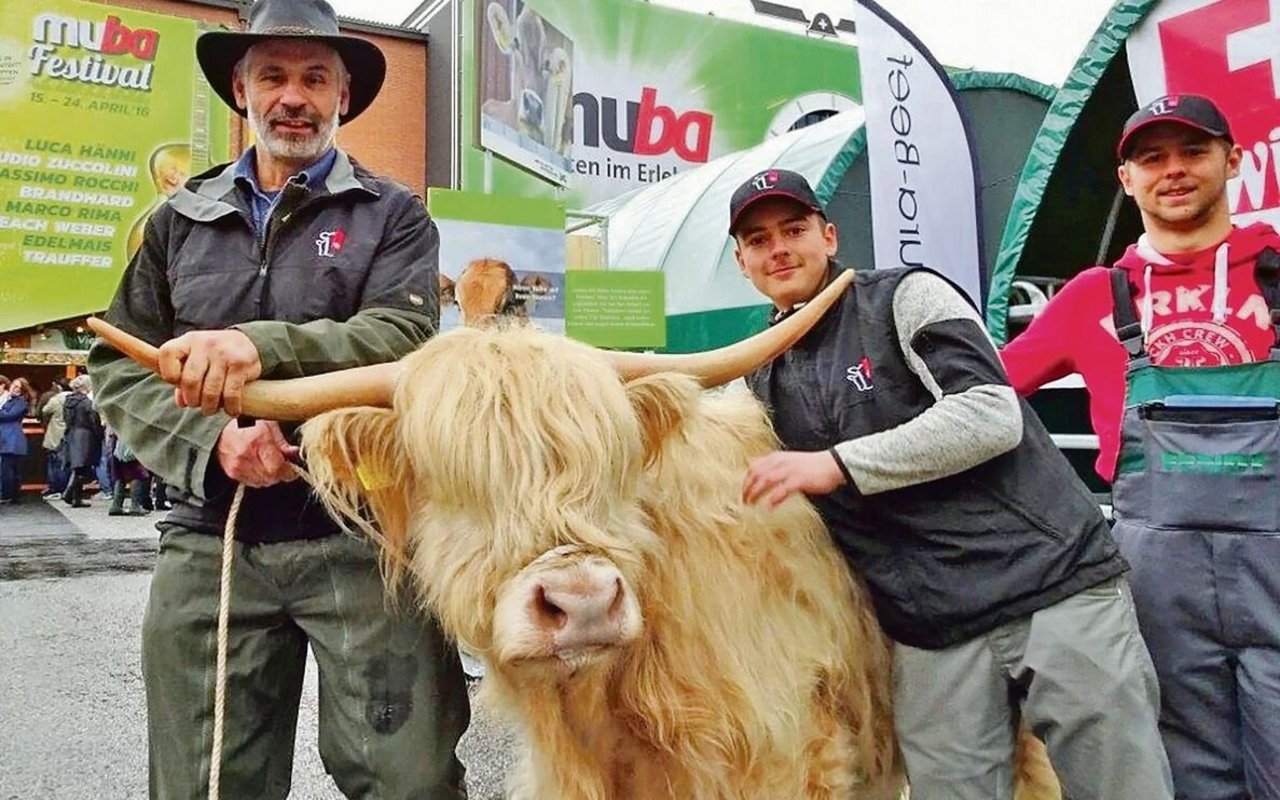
[{"x": 82, "y": 456}]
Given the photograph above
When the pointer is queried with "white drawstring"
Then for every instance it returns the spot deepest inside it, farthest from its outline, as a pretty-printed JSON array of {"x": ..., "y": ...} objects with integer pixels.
[
  {"x": 1221, "y": 264},
  {"x": 1220, "y": 284},
  {"x": 1148, "y": 309},
  {"x": 1151, "y": 256}
]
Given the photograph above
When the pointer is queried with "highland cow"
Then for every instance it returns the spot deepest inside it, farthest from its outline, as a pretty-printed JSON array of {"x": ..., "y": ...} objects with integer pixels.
[{"x": 654, "y": 637}]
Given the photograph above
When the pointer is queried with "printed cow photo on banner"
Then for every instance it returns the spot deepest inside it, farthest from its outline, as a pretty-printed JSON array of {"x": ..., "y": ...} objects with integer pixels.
[
  {"x": 526, "y": 88},
  {"x": 505, "y": 261}
]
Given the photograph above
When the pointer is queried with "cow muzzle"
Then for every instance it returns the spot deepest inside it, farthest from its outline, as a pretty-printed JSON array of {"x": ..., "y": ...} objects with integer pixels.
[
  {"x": 574, "y": 612},
  {"x": 531, "y": 109}
]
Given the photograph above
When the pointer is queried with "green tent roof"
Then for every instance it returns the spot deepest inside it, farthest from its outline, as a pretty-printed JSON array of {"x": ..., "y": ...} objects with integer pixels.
[{"x": 1068, "y": 184}]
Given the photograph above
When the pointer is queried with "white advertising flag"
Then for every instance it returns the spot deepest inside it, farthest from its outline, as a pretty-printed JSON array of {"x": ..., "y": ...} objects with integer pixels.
[{"x": 924, "y": 182}]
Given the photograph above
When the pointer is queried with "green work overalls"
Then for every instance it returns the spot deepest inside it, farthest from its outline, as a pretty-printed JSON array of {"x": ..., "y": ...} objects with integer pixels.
[{"x": 1197, "y": 515}]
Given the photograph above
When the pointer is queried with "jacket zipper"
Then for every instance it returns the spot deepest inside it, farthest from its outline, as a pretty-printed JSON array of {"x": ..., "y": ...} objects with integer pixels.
[{"x": 274, "y": 223}]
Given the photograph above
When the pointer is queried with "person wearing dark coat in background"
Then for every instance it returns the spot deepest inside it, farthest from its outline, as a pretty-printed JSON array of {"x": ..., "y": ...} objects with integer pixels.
[
  {"x": 14, "y": 402},
  {"x": 82, "y": 443}
]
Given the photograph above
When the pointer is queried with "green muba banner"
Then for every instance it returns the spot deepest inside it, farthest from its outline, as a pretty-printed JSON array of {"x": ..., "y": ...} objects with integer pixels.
[
  {"x": 584, "y": 100},
  {"x": 105, "y": 115}
]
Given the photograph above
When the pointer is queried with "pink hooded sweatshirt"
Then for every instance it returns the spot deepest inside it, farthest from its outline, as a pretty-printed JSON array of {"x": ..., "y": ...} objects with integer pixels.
[{"x": 1198, "y": 309}]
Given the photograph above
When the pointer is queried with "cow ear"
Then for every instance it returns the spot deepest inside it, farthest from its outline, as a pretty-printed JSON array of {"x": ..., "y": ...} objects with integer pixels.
[
  {"x": 662, "y": 402},
  {"x": 358, "y": 466},
  {"x": 501, "y": 28}
]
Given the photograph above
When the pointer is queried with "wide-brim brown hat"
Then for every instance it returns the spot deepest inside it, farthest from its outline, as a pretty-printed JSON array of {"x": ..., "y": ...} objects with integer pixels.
[{"x": 219, "y": 51}]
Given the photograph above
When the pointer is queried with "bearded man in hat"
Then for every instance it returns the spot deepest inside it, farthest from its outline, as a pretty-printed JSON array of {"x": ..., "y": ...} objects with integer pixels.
[
  {"x": 291, "y": 261},
  {"x": 988, "y": 563},
  {"x": 1177, "y": 345}
]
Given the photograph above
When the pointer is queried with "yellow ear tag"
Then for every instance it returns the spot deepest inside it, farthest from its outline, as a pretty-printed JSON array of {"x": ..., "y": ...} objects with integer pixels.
[{"x": 371, "y": 479}]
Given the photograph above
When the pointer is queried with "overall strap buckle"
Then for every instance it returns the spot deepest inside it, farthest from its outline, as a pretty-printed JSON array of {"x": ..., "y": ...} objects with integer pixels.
[
  {"x": 1266, "y": 271},
  {"x": 1128, "y": 327}
]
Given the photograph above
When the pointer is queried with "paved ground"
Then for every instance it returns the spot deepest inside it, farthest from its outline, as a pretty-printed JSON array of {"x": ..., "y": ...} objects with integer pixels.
[
  {"x": 41, "y": 539},
  {"x": 73, "y": 585}
]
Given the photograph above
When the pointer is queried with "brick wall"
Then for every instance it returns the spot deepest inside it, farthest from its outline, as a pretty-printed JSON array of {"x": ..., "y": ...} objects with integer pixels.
[{"x": 390, "y": 137}]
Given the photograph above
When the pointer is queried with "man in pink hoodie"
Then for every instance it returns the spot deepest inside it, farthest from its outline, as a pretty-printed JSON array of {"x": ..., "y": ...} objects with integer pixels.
[{"x": 1178, "y": 350}]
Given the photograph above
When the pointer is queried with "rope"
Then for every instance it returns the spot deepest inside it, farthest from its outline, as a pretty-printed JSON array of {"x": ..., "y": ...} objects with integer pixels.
[{"x": 224, "y": 614}]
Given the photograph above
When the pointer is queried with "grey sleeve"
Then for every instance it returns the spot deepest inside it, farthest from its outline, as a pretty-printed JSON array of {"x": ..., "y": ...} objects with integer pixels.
[{"x": 976, "y": 416}]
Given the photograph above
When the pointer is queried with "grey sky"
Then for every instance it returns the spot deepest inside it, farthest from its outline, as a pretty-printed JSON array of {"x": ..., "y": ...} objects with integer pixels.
[
  {"x": 1036, "y": 38},
  {"x": 524, "y": 249}
]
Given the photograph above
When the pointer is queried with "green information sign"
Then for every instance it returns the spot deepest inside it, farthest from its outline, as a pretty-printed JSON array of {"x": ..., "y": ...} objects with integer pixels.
[
  {"x": 622, "y": 309},
  {"x": 499, "y": 256},
  {"x": 105, "y": 115}
]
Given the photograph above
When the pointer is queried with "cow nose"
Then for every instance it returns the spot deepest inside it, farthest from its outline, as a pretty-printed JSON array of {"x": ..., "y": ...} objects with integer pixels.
[
  {"x": 531, "y": 106},
  {"x": 584, "y": 608}
]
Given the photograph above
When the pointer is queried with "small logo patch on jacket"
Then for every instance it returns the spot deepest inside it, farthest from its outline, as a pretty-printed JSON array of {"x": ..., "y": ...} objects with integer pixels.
[
  {"x": 860, "y": 375},
  {"x": 329, "y": 243}
]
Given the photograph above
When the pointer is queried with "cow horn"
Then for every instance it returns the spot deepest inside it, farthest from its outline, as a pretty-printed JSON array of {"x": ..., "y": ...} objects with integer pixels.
[
  {"x": 287, "y": 400},
  {"x": 303, "y": 398},
  {"x": 720, "y": 366}
]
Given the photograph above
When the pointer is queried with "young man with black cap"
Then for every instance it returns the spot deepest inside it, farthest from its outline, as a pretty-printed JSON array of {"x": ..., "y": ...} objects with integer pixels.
[
  {"x": 293, "y": 260},
  {"x": 1178, "y": 350},
  {"x": 988, "y": 563}
]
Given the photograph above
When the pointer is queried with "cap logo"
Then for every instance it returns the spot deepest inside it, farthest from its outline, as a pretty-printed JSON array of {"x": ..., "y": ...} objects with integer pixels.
[
  {"x": 1164, "y": 105},
  {"x": 765, "y": 180}
]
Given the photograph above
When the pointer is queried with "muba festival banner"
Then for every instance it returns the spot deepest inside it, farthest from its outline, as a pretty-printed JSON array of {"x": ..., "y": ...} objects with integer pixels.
[{"x": 105, "y": 115}]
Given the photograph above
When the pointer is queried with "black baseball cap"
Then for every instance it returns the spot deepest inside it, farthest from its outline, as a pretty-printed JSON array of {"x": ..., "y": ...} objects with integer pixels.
[
  {"x": 1190, "y": 110},
  {"x": 771, "y": 183}
]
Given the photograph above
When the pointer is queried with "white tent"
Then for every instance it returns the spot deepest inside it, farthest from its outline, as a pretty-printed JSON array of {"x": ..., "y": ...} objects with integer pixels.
[{"x": 680, "y": 225}]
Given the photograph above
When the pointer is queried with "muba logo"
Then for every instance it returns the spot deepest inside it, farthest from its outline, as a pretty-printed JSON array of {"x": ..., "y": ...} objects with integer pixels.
[
  {"x": 111, "y": 38},
  {"x": 108, "y": 39},
  {"x": 651, "y": 129}
]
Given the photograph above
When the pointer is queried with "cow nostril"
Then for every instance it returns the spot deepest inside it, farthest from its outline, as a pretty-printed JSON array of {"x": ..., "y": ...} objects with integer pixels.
[
  {"x": 619, "y": 597},
  {"x": 548, "y": 610}
]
